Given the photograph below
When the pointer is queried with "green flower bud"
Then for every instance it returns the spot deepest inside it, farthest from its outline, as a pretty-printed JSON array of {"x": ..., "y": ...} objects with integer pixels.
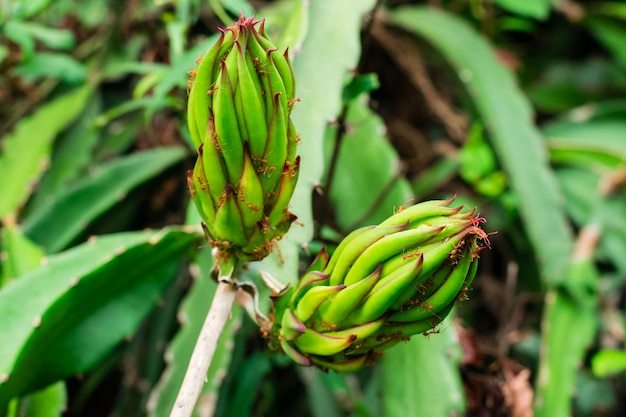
[
  {"x": 239, "y": 108},
  {"x": 382, "y": 285}
]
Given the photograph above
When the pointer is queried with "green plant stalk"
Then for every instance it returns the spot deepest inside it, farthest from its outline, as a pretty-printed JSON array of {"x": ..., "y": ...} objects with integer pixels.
[
  {"x": 204, "y": 350},
  {"x": 568, "y": 328}
]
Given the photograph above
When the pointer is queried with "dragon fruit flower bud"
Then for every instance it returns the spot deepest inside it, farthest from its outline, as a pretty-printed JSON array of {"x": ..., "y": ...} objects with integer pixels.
[
  {"x": 381, "y": 285},
  {"x": 240, "y": 101}
]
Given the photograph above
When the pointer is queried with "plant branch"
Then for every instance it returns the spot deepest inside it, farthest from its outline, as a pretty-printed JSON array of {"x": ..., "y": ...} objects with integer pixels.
[
  {"x": 404, "y": 52},
  {"x": 195, "y": 377}
]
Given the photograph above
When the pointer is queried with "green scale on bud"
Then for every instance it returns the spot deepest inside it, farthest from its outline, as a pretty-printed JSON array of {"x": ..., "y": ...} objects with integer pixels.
[
  {"x": 382, "y": 285},
  {"x": 240, "y": 101}
]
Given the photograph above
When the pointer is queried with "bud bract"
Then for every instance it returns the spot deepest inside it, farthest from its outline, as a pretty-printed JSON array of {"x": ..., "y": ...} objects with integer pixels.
[
  {"x": 381, "y": 285},
  {"x": 239, "y": 108}
]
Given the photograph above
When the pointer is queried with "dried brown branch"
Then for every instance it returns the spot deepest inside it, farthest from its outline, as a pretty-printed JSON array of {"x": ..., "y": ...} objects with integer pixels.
[{"x": 406, "y": 54}]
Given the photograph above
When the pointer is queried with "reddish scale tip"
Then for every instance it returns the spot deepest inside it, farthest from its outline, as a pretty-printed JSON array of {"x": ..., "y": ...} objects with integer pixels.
[{"x": 247, "y": 23}]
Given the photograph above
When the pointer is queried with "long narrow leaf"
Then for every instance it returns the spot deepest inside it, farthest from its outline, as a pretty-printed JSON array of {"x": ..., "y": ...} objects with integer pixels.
[
  {"x": 73, "y": 152},
  {"x": 26, "y": 151},
  {"x": 61, "y": 221},
  {"x": 320, "y": 73},
  {"x": 508, "y": 117},
  {"x": 569, "y": 328}
]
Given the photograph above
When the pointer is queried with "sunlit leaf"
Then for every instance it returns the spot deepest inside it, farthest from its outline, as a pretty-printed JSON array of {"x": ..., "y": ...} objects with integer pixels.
[
  {"x": 538, "y": 9},
  {"x": 19, "y": 169}
]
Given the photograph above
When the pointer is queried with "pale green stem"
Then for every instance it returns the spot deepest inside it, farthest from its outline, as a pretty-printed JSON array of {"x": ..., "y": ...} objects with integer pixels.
[{"x": 195, "y": 377}]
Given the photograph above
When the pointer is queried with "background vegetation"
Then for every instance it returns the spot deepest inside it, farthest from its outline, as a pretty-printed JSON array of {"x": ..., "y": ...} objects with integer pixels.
[{"x": 517, "y": 106}]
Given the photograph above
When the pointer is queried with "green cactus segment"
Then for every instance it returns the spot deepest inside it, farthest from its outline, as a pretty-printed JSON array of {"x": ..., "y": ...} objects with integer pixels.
[
  {"x": 19, "y": 254},
  {"x": 239, "y": 107},
  {"x": 382, "y": 285},
  {"x": 110, "y": 283}
]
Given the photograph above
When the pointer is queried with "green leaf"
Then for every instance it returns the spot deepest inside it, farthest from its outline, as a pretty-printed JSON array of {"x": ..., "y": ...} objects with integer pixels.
[
  {"x": 92, "y": 13},
  {"x": 435, "y": 177},
  {"x": 612, "y": 34},
  {"x": 563, "y": 350},
  {"x": 609, "y": 8},
  {"x": 538, "y": 9},
  {"x": 53, "y": 38},
  {"x": 64, "y": 317},
  {"x": 476, "y": 157},
  {"x": 25, "y": 9},
  {"x": 508, "y": 117},
  {"x": 367, "y": 183},
  {"x": 19, "y": 170},
  {"x": 116, "y": 141},
  {"x": 287, "y": 22},
  {"x": 593, "y": 394},
  {"x": 71, "y": 156},
  {"x": 19, "y": 255},
  {"x": 556, "y": 96},
  {"x": 585, "y": 204},
  {"x": 238, "y": 6},
  {"x": 56, "y": 225},
  {"x": 193, "y": 312},
  {"x": 48, "y": 402},
  {"x": 361, "y": 84},
  {"x": 15, "y": 31},
  {"x": 421, "y": 377},
  {"x": 598, "y": 144},
  {"x": 150, "y": 103},
  {"x": 605, "y": 110},
  {"x": 334, "y": 23},
  {"x": 580, "y": 188},
  {"x": 55, "y": 65},
  {"x": 176, "y": 31},
  {"x": 608, "y": 362},
  {"x": 322, "y": 402},
  {"x": 177, "y": 75},
  {"x": 250, "y": 380},
  {"x": 565, "y": 85}
]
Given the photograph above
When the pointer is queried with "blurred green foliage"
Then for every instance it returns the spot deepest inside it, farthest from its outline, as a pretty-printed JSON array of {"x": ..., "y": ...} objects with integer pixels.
[{"x": 518, "y": 107}]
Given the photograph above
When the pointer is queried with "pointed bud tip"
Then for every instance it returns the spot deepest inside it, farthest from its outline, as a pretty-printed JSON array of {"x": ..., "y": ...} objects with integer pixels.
[{"x": 450, "y": 200}]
